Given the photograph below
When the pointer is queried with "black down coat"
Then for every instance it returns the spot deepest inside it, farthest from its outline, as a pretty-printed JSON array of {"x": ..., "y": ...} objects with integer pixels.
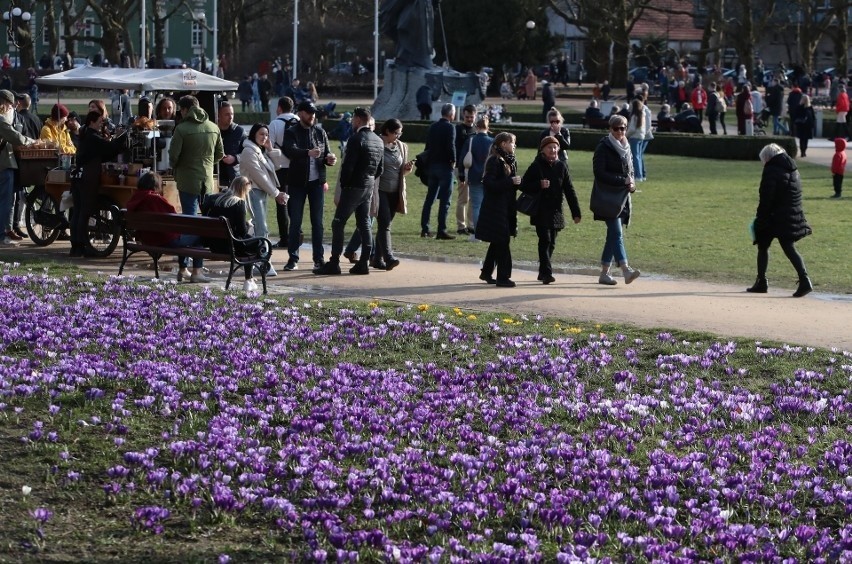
[
  {"x": 498, "y": 218},
  {"x": 550, "y": 213},
  {"x": 779, "y": 212}
]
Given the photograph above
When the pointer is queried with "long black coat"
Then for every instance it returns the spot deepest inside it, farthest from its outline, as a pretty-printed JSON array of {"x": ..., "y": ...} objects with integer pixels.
[
  {"x": 779, "y": 212},
  {"x": 498, "y": 218},
  {"x": 550, "y": 213},
  {"x": 805, "y": 120}
]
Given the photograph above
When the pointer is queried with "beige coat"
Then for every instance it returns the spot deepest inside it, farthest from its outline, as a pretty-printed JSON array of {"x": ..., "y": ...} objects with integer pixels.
[{"x": 260, "y": 168}]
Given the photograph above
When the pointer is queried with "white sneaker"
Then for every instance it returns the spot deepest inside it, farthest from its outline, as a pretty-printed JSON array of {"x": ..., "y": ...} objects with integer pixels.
[
  {"x": 199, "y": 278},
  {"x": 9, "y": 242},
  {"x": 472, "y": 238},
  {"x": 183, "y": 274},
  {"x": 607, "y": 280},
  {"x": 630, "y": 275},
  {"x": 250, "y": 286}
]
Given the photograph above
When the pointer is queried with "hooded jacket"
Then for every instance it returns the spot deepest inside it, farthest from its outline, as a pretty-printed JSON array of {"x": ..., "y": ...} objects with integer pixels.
[
  {"x": 196, "y": 146},
  {"x": 779, "y": 213},
  {"x": 838, "y": 163}
]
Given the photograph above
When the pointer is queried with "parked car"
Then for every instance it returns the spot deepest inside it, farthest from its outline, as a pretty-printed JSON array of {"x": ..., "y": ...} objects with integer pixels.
[
  {"x": 173, "y": 63},
  {"x": 81, "y": 62},
  {"x": 345, "y": 69},
  {"x": 639, "y": 74}
]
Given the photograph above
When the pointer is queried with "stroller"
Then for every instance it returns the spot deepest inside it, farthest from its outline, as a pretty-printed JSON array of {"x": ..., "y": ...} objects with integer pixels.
[{"x": 762, "y": 121}]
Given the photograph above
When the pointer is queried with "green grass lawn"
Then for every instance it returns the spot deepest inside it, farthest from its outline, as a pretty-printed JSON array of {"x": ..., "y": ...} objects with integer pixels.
[{"x": 690, "y": 220}]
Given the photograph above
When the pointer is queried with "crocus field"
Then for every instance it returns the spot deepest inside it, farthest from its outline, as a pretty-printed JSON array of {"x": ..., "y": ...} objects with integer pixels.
[{"x": 142, "y": 421}]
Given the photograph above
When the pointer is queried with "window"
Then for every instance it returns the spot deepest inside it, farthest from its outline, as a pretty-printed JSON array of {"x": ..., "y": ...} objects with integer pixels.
[
  {"x": 88, "y": 30},
  {"x": 197, "y": 34}
]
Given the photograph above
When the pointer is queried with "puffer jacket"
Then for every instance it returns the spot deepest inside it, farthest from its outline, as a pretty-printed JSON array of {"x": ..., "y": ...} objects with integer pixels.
[
  {"x": 259, "y": 167},
  {"x": 550, "y": 213},
  {"x": 362, "y": 163},
  {"x": 196, "y": 146},
  {"x": 779, "y": 212}
]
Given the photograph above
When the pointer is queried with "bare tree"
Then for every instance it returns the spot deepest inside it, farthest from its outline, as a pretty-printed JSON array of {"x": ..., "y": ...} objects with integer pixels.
[
  {"x": 608, "y": 25},
  {"x": 113, "y": 17}
]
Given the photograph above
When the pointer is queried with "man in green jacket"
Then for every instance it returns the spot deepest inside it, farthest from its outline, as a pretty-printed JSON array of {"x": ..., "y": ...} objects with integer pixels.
[{"x": 196, "y": 146}]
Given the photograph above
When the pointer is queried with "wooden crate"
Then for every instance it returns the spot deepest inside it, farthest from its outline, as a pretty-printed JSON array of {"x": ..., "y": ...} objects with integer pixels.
[{"x": 33, "y": 172}]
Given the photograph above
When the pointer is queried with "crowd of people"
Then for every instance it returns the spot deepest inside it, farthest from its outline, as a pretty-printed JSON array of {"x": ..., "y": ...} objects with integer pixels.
[{"x": 286, "y": 161}]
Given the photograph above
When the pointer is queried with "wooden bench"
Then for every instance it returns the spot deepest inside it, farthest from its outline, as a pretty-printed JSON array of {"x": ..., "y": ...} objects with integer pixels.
[
  {"x": 602, "y": 123},
  {"x": 205, "y": 227}
]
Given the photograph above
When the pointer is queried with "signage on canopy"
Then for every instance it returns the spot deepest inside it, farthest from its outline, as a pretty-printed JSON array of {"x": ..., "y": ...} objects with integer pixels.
[{"x": 190, "y": 79}]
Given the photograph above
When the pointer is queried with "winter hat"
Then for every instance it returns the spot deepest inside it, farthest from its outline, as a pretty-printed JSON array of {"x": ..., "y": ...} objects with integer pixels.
[
  {"x": 547, "y": 141},
  {"x": 58, "y": 112}
]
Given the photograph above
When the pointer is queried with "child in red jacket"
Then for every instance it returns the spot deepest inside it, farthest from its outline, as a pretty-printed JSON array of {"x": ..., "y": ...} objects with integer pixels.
[{"x": 838, "y": 165}]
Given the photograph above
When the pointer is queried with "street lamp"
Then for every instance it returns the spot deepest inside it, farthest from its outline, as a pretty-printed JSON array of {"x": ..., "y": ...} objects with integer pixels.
[
  {"x": 530, "y": 25},
  {"x": 14, "y": 18}
]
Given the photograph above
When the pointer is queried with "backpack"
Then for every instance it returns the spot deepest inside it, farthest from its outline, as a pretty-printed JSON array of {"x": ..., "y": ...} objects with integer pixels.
[
  {"x": 421, "y": 165},
  {"x": 289, "y": 122}
]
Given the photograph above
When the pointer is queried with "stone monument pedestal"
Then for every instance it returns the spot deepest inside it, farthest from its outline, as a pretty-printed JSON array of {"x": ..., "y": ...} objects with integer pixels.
[{"x": 397, "y": 98}]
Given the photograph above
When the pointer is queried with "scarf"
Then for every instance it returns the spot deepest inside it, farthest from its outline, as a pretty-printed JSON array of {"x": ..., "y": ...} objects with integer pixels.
[
  {"x": 509, "y": 158},
  {"x": 623, "y": 147}
]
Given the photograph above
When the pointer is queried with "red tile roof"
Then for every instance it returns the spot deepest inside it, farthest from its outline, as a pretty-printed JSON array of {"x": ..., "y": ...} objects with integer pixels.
[{"x": 676, "y": 27}]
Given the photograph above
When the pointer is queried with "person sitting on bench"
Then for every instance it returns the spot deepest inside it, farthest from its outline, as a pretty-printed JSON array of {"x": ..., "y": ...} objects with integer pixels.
[{"x": 148, "y": 197}]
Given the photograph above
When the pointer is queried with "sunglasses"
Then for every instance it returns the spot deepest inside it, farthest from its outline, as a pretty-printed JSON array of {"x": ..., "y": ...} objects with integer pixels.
[
  {"x": 619, "y": 128},
  {"x": 555, "y": 121}
]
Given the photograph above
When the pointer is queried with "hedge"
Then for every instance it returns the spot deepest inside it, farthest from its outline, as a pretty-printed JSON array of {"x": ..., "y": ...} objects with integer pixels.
[{"x": 731, "y": 147}]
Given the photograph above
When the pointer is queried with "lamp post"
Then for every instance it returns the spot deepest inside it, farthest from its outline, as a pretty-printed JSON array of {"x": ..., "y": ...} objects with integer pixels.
[
  {"x": 14, "y": 18},
  {"x": 530, "y": 25}
]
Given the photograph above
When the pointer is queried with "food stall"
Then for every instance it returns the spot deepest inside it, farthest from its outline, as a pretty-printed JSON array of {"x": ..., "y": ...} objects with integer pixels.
[{"x": 44, "y": 219}]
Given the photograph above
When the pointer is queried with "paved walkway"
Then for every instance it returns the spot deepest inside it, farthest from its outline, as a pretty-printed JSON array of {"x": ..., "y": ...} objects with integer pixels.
[{"x": 727, "y": 310}]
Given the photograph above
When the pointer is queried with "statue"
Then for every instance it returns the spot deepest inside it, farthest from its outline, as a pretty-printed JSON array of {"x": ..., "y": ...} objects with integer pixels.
[{"x": 411, "y": 25}]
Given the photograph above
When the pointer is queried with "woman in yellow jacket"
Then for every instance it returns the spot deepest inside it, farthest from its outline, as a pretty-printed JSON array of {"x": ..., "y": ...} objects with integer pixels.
[{"x": 55, "y": 130}]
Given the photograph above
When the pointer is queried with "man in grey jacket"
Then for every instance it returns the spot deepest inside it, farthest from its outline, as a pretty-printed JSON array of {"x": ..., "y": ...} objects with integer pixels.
[{"x": 10, "y": 137}]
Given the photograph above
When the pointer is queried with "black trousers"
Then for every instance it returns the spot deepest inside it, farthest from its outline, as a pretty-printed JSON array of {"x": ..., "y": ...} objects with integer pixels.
[
  {"x": 499, "y": 254},
  {"x": 388, "y": 202},
  {"x": 838, "y": 183},
  {"x": 546, "y": 245},
  {"x": 352, "y": 201},
  {"x": 789, "y": 248},
  {"x": 84, "y": 204}
]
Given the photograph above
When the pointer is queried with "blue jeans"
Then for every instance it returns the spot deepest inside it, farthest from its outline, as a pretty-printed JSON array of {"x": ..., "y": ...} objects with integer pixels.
[
  {"x": 257, "y": 201},
  {"x": 7, "y": 197},
  {"x": 188, "y": 241},
  {"x": 636, "y": 152},
  {"x": 313, "y": 194},
  {"x": 357, "y": 201},
  {"x": 190, "y": 204},
  {"x": 614, "y": 246},
  {"x": 778, "y": 127},
  {"x": 441, "y": 187},
  {"x": 477, "y": 193}
]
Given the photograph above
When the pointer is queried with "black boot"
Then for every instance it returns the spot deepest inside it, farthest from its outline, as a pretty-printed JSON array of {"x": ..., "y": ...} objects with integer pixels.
[
  {"x": 76, "y": 251},
  {"x": 761, "y": 286},
  {"x": 805, "y": 287}
]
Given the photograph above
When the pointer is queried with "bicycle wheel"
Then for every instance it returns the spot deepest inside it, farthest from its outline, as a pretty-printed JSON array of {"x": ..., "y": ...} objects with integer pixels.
[
  {"x": 43, "y": 219},
  {"x": 103, "y": 229}
]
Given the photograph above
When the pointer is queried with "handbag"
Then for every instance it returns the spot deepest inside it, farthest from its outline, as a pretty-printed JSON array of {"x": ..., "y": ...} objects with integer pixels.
[
  {"x": 467, "y": 162},
  {"x": 608, "y": 201},
  {"x": 527, "y": 204}
]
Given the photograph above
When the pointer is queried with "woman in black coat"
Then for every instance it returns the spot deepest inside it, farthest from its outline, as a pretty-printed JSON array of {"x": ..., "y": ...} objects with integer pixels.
[
  {"x": 94, "y": 150},
  {"x": 805, "y": 120},
  {"x": 780, "y": 216},
  {"x": 547, "y": 179},
  {"x": 610, "y": 202},
  {"x": 498, "y": 220}
]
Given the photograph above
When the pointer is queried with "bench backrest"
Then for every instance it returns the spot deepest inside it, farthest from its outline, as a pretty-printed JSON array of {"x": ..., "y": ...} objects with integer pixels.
[{"x": 206, "y": 227}]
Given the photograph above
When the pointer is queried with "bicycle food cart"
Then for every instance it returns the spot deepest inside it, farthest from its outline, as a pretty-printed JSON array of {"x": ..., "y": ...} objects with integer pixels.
[{"x": 42, "y": 168}]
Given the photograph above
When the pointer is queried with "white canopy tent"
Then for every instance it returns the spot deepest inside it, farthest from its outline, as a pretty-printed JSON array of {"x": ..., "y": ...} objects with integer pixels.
[{"x": 163, "y": 80}]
